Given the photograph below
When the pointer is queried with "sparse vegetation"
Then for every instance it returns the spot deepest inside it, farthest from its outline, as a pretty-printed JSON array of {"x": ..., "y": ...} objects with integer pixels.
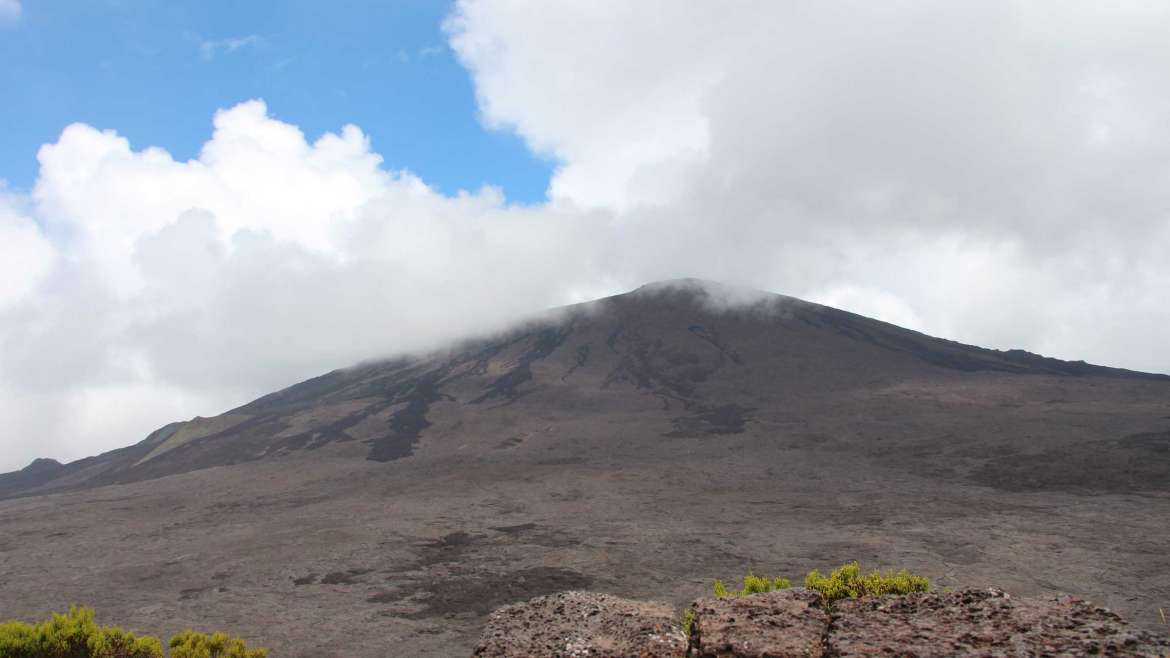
[
  {"x": 73, "y": 635},
  {"x": 847, "y": 581},
  {"x": 752, "y": 584},
  {"x": 190, "y": 644},
  {"x": 688, "y": 621},
  {"x": 77, "y": 635}
]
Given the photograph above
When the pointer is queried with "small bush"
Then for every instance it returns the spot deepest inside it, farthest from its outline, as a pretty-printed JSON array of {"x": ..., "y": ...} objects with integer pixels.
[
  {"x": 847, "y": 581},
  {"x": 752, "y": 584},
  {"x": 77, "y": 635},
  {"x": 190, "y": 644},
  {"x": 74, "y": 635},
  {"x": 688, "y": 621}
]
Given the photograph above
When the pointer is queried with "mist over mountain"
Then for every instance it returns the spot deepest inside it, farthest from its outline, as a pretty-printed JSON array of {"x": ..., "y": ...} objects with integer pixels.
[{"x": 702, "y": 358}]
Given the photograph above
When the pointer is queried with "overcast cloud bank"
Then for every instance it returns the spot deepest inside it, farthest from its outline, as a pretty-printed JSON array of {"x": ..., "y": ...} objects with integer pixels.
[{"x": 997, "y": 173}]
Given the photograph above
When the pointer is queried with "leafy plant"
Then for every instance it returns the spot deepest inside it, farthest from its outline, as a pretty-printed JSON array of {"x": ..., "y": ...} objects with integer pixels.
[
  {"x": 688, "y": 621},
  {"x": 76, "y": 635},
  {"x": 752, "y": 584},
  {"x": 847, "y": 581},
  {"x": 190, "y": 644},
  {"x": 73, "y": 635}
]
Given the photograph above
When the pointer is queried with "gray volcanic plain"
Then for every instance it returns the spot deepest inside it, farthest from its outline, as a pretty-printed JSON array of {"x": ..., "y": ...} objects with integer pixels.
[{"x": 641, "y": 445}]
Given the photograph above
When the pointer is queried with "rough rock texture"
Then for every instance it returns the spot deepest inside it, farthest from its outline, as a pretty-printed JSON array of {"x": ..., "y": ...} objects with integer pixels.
[
  {"x": 583, "y": 624},
  {"x": 984, "y": 623},
  {"x": 794, "y": 623},
  {"x": 783, "y": 623}
]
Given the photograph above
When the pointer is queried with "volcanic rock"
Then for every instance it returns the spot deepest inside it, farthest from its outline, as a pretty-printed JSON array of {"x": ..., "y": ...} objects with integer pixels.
[
  {"x": 782, "y": 623},
  {"x": 795, "y": 623},
  {"x": 984, "y": 622},
  {"x": 583, "y": 624}
]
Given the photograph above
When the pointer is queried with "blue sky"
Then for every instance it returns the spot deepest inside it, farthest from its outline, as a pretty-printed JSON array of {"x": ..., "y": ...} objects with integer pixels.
[{"x": 156, "y": 71}]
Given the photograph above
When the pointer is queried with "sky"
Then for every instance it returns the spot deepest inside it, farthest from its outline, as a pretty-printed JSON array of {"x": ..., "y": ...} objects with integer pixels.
[
  {"x": 205, "y": 202},
  {"x": 156, "y": 72}
]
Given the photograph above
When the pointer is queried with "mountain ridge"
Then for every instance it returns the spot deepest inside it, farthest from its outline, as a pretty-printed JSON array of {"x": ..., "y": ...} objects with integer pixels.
[{"x": 406, "y": 387}]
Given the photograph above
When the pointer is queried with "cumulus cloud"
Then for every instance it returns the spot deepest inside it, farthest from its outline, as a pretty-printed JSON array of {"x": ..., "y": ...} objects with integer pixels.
[
  {"x": 28, "y": 255},
  {"x": 997, "y": 173},
  {"x": 155, "y": 289},
  {"x": 994, "y": 172}
]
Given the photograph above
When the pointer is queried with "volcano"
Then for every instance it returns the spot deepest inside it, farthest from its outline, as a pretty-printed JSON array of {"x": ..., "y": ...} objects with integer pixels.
[{"x": 642, "y": 444}]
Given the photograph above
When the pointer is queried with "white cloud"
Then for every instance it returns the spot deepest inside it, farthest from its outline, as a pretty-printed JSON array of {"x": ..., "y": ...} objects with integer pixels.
[
  {"x": 870, "y": 302},
  {"x": 28, "y": 254},
  {"x": 267, "y": 259},
  {"x": 210, "y": 48},
  {"x": 9, "y": 11},
  {"x": 996, "y": 171},
  {"x": 982, "y": 172}
]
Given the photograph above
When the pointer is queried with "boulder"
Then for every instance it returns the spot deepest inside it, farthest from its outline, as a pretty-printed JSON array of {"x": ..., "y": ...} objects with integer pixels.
[{"x": 583, "y": 625}]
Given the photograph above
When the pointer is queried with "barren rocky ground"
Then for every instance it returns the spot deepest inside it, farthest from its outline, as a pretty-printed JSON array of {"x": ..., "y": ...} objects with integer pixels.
[
  {"x": 642, "y": 445},
  {"x": 798, "y": 623}
]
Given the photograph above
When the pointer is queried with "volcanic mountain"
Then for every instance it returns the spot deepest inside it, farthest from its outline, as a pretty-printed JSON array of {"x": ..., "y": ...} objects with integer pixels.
[{"x": 641, "y": 444}]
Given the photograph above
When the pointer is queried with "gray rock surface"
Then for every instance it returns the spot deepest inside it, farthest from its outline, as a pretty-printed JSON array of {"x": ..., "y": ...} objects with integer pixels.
[
  {"x": 580, "y": 625},
  {"x": 794, "y": 623},
  {"x": 784, "y": 623},
  {"x": 984, "y": 623}
]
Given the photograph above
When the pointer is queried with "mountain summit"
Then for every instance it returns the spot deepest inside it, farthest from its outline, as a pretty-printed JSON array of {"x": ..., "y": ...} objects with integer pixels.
[{"x": 671, "y": 360}]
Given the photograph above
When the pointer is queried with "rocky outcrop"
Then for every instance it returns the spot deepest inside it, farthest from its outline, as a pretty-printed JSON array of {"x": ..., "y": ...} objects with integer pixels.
[
  {"x": 984, "y": 623},
  {"x": 795, "y": 622},
  {"x": 583, "y": 625},
  {"x": 784, "y": 623}
]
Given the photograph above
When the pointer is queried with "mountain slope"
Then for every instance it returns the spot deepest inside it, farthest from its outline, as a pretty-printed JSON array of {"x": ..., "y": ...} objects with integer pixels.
[
  {"x": 642, "y": 445},
  {"x": 693, "y": 358}
]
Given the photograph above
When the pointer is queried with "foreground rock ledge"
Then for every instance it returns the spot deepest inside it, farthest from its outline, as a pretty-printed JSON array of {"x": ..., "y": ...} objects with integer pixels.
[
  {"x": 581, "y": 624},
  {"x": 784, "y": 623},
  {"x": 973, "y": 622}
]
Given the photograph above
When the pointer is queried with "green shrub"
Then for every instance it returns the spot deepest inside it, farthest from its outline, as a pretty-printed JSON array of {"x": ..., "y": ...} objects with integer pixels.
[
  {"x": 73, "y": 635},
  {"x": 77, "y": 635},
  {"x": 688, "y": 621},
  {"x": 847, "y": 581},
  {"x": 190, "y": 644},
  {"x": 752, "y": 584}
]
